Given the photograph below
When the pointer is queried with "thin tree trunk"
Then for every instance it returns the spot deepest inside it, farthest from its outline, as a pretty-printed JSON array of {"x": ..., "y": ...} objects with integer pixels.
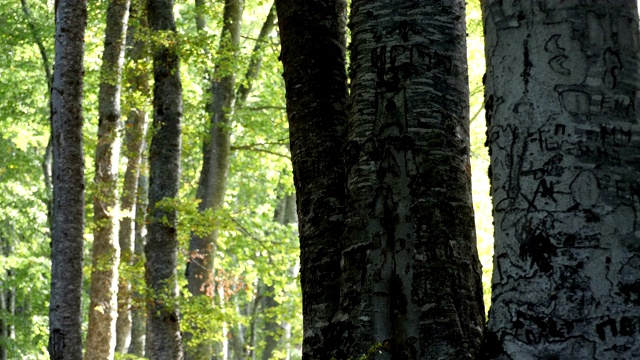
[
  {"x": 65, "y": 320},
  {"x": 161, "y": 249},
  {"x": 138, "y": 82},
  {"x": 561, "y": 107},
  {"x": 7, "y": 302},
  {"x": 253, "y": 70},
  {"x": 46, "y": 65},
  {"x": 312, "y": 34},
  {"x": 103, "y": 307},
  {"x": 138, "y": 314},
  {"x": 285, "y": 214}
]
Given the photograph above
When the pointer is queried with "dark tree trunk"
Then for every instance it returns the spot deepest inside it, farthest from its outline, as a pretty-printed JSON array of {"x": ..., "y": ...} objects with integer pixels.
[
  {"x": 65, "y": 320},
  {"x": 103, "y": 307},
  {"x": 138, "y": 83},
  {"x": 312, "y": 34},
  {"x": 161, "y": 249},
  {"x": 561, "y": 106},
  {"x": 7, "y": 302}
]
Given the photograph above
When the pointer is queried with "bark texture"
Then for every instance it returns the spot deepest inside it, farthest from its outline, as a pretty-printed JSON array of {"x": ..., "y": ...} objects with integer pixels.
[
  {"x": 65, "y": 331},
  {"x": 103, "y": 307},
  {"x": 561, "y": 105},
  {"x": 135, "y": 130},
  {"x": 411, "y": 273},
  {"x": 312, "y": 35},
  {"x": 161, "y": 249}
]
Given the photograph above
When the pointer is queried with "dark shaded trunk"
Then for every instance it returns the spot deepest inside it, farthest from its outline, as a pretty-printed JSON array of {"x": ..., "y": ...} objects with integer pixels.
[
  {"x": 135, "y": 130},
  {"x": 561, "y": 108},
  {"x": 103, "y": 307},
  {"x": 65, "y": 320},
  {"x": 161, "y": 249},
  {"x": 312, "y": 35}
]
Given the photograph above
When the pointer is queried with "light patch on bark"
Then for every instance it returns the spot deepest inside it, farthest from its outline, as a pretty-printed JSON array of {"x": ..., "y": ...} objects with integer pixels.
[{"x": 564, "y": 137}]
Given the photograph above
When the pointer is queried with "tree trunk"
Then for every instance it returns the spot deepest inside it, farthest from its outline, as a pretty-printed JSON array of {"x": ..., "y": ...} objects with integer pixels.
[
  {"x": 411, "y": 273},
  {"x": 213, "y": 176},
  {"x": 7, "y": 302},
  {"x": 285, "y": 214},
  {"x": 103, "y": 307},
  {"x": 138, "y": 82},
  {"x": 312, "y": 34},
  {"x": 46, "y": 161},
  {"x": 561, "y": 95},
  {"x": 65, "y": 320},
  {"x": 138, "y": 314},
  {"x": 161, "y": 249}
]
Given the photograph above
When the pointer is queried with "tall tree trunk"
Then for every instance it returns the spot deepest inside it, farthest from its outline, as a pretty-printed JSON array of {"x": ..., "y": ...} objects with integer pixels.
[
  {"x": 103, "y": 307},
  {"x": 138, "y": 82},
  {"x": 65, "y": 320},
  {"x": 138, "y": 314},
  {"x": 213, "y": 176},
  {"x": 312, "y": 34},
  {"x": 561, "y": 105},
  {"x": 161, "y": 249},
  {"x": 411, "y": 273}
]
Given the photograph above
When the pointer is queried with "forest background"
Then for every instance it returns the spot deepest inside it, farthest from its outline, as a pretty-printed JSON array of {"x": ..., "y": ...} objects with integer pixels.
[{"x": 256, "y": 262}]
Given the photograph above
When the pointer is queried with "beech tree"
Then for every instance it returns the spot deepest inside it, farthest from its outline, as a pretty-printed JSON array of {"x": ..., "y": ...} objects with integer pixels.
[
  {"x": 313, "y": 48},
  {"x": 65, "y": 319},
  {"x": 103, "y": 307},
  {"x": 561, "y": 108},
  {"x": 161, "y": 250},
  {"x": 402, "y": 241},
  {"x": 137, "y": 81}
]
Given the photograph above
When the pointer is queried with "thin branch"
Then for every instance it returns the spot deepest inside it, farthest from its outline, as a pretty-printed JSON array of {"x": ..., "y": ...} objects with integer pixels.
[
  {"x": 264, "y": 151},
  {"x": 259, "y": 108},
  {"x": 476, "y": 114},
  {"x": 38, "y": 40}
]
